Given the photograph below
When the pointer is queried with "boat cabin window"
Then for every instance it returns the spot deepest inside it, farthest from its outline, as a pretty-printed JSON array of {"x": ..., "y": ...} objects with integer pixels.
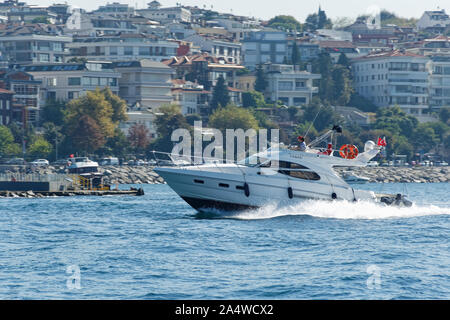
[
  {"x": 255, "y": 161},
  {"x": 296, "y": 170}
]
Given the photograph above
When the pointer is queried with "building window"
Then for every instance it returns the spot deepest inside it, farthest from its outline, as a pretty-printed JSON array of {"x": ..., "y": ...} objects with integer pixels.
[
  {"x": 285, "y": 86},
  {"x": 113, "y": 51},
  {"x": 73, "y": 95},
  {"x": 74, "y": 81},
  {"x": 128, "y": 51},
  {"x": 44, "y": 57},
  {"x": 51, "y": 82},
  {"x": 51, "y": 95},
  {"x": 299, "y": 84},
  {"x": 299, "y": 100}
]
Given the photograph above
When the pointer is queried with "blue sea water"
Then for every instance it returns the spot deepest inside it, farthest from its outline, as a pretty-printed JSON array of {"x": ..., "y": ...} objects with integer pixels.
[{"x": 157, "y": 247}]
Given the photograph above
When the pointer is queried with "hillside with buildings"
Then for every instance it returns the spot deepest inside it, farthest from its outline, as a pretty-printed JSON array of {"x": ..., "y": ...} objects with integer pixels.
[{"x": 134, "y": 65}]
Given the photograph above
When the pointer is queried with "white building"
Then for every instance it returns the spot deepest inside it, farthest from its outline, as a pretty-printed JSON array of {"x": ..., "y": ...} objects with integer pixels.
[
  {"x": 67, "y": 81},
  {"x": 191, "y": 97},
  {"x": 138, "y": 115},
  {"x": 229, "y": 51},
  {"x": 145, "y": 82},
  {"x": 123, "y": 47},
  {"x": 35, "y": 43},
  {"x": 239, "y": 29},
  {"x": 435, "y": 21},
  {"x": 145, "y": 85},
  {"x": 28, "y": 13},
  {"x": 165, "y": 15},
  {"x": 393, "y": 78},
  {"x": 291, "y": 87},
  {"x": 264, "y": 46},
  {"x": 440, "y": 81}
]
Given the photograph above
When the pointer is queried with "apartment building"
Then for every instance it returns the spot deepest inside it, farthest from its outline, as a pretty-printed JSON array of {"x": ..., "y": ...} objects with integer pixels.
[
  {"x": 217, "y": 47},
  {"x": 67, "y": 81},
  {"x": 165, "y": 15},
  {"x": 6, "y": 113},
  {"x": 434, "y": 21},
  {"x": 439, "y": 87},
  {"x": 145, "y": 82},
  {"x": 264, "y": 46},
  {"x": 393, "y": 78},
  {"x": 28, "y": 13},
  {"x": 204, "y": 69},
  {"x": 190, "y": 96},
  {"x": 122, "y": 47},
  {"x": 34, "y": 43},
  {"x": 25, "y": 101},
  {"x": 288, "y": 85}
]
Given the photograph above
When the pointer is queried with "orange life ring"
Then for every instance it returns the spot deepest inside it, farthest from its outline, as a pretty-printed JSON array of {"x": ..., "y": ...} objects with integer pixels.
[{"x": 348, "y": 151}]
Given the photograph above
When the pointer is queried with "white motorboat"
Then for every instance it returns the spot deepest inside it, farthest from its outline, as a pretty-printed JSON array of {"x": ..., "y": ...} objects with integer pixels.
[
  {"x": 82, "y": 165},
  {"x": 282, "y": 176}
]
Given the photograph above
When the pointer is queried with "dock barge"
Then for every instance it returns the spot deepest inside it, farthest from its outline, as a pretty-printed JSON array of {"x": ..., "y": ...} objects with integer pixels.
[{"x": 16, "y": 185}]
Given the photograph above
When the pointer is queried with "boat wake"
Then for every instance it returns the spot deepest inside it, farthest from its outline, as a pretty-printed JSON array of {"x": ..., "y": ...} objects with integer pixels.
[{"x": 336, "y": 210}]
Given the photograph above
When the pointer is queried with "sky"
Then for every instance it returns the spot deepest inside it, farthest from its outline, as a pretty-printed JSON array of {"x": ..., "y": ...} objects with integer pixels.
[{"x": 266, "y": 9}]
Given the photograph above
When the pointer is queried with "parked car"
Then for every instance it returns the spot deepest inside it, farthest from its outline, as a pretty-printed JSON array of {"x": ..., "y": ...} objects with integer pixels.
[
  {"x": 19, "y": 161},
  {"x": 372, "y": 164},
  {"x": 40, "y": 163}
]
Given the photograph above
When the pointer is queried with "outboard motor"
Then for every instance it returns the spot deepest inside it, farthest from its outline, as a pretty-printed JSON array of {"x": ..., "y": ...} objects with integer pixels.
[{"x": 399, "y": 200}]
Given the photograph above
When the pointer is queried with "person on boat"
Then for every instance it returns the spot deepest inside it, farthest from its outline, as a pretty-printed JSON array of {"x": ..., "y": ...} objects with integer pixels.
[{"x": 302, "y": 144}]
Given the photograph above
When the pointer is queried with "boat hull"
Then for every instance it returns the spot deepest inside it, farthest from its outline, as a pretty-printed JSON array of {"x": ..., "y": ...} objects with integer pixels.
[{"x": 229, "y": 190}]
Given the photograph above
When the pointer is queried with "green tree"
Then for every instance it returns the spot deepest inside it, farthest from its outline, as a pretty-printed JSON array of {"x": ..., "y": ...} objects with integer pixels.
[
  {"x": 54, "y": 112},
  {"x": 220, "y": 96},
  {"x": 343, "y": 60},
  {"x": 253, "y": 99},
  {"x": 39, "y": 148},
  {"x": 233, "y": 117},
  {"x": 54, "y": 135},
  {"x": 7, "y": 145},
  {"x": 318, "y": 20},
  {"x": 87, "y": 135},
  {"x": 444, "y": 115},
  {"x": 139, "y": 137},
  {"x": 168, "y": 120},
  {"x": 118, "y": 145},
  {"x": 97, "y": 108},
  {"x": 396, "y": 120},
  {"x": 295, "y": 57},
  {"x": 362, "y": 103},
  {"x": 343, "y": 88},
  {"x": 323, "y": 116},
  {"x": 323, "y": 21},
  {"x": 118, "y": 105},
  {"x": 261, "y": 82},
  {"x": 191, "y": 118},
  {"x": 285, "y": 23}
]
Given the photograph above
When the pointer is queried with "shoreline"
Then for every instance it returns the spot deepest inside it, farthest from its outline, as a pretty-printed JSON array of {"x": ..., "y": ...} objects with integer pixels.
[{"x": 145, "y": 174}]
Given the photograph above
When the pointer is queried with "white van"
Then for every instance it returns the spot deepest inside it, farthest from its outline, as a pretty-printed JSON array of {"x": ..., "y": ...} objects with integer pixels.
[{"x": 110, "y": 161}]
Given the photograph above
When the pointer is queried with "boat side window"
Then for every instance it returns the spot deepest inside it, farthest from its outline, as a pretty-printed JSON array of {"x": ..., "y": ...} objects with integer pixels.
[{"x": 298, "y": 171}]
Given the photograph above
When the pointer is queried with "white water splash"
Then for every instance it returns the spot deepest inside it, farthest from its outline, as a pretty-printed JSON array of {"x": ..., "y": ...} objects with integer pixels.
[{"x": 343, "y": 210}]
